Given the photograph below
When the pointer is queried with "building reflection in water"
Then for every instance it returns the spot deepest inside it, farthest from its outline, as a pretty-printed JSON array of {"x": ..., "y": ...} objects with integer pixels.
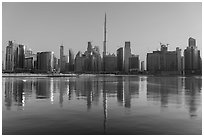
[
  {"x": 131, "y": 89},
  {"x": 17, "y": 91},
  {"x": 18, "y": 87},
  {"x": 43, "y": 88},
  {"x": 120, "y": 90},
  {"x": 127, "y": 92},
  {"x": 8, "y": 93},
  {"x": 71, "y": 88},
  {"x": 192, "y": 94},
  {"x": 170, "y": 90},
  {"x": 163, "y": 90},
  {"x": 105, "y": 105},
  {"x": 52, "y": 91},
  {"x": 63, "y": 88}
]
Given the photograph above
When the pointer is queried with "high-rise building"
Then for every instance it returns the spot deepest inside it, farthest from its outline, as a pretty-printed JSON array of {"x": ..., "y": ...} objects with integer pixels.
[
  {"x": 45, "y": 62},
  {"x": 142, "y": 66},
  {"x": 90, "y": 61},
  {"x": 71, "y": 60},
  {"x": 79, "y": 62},
  {"x": 127, "y": 55},
  {"x": 20, "y": 58},
  {"x": 153, "y": 62},
  {"x": 104, "y": 45},
  {"x": 62, "y": 64},
  {"x": 10, "y": 56},
  {"x": 164, "y": 61},
  {"x": 182, "y": 65},
  {"x": 191, "y": 42},
  {"x": 30, "y": 62},
  {"x": 192, "y": 58},
  {"x": 9, "y": 65},
  {"x": 104, "y": 42},
  {"x": 96, "y": 59},
  {"x": 134, "y": 63},
  {"x": 120, "y": 59},
  {"x": 110, "y": 63}
]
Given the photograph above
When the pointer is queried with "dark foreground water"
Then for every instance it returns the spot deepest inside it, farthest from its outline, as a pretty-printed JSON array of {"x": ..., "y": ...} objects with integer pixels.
[{"x": 102, "y": 105}]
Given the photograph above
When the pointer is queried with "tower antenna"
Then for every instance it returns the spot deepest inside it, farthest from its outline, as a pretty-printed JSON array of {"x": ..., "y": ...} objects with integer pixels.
[{"x": 104, "y": 42}]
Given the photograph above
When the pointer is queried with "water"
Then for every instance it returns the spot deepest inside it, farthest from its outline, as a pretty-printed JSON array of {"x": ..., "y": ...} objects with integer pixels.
[{"x": 102, "y": 105}]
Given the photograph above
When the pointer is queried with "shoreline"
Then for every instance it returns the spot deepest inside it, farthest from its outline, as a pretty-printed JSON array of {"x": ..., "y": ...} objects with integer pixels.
[
  {"x": 81, "y": 75},
  {"x": 36, "y": 75}
]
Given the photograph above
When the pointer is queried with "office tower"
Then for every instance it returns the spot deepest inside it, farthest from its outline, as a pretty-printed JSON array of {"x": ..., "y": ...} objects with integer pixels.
[
  {"x": 182, "y": 65},
  {"x": 79, "y": 62},
  {"x": 62, "y": 58},
  {"x": 90, "y": 61},
  {"x": 120, "y": 59},
  {"x": 142, "y": 66},
  {"x": 45, "y": 62},
  {"x": 192, "y": 58},
  {"x": 55, "y": 63},
  {"x": 134, "y": 63},
  {"x": 110, "y": 63},
  {"x": 191, "y": 42},
  {"x": 9, "y": 57},
  {"x": 164, "y": 61},
  {"x": 127, "y": 55},
  {"x": 89, "y": 47},
  {"x": 178, "y": 54},
  {"x": 20, "y": 58},
  {"x": 71, "y": 60},
  {"x": 153, "y": 62},
  {"x": 96, "y": 59},
  {"x": 29, "y": 63}
]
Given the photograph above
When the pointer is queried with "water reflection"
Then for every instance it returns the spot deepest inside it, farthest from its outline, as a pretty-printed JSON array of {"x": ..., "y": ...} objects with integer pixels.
[
  {"x": 192, "y": 93},
  {"x": 161, "y": 90}
]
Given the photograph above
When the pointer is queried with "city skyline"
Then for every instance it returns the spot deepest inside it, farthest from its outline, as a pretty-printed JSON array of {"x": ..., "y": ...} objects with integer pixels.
[{"x": 45, "y": 24}]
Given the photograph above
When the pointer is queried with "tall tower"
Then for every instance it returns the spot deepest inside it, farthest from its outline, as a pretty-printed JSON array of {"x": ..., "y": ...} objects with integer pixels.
[
  {"x": 127, "y": 55},
  {"x": 104, "y": 42},
  {"x": 61, "y": 58}
]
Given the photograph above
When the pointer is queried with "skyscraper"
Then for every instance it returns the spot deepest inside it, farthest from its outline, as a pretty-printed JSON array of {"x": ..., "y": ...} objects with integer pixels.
[
  {"x": 104, "y": 46},
  {"x": 62, "y": 58},
  {"x": 127, "y": 55},
  {"x": 10, "y": 56},
  {"x": 71, "y": 60},
  {"x": 191, "y": 42},
  {"x": 134, "y": 63},
  {"x": 104, "y": 42},
  {"x": 45, "y": 62},
  {"x": 192, "y": 58},
  {"x": 20, "y": 58},
  {"x": 164, "y": 61},
  {"x": 110, "y": 63},
  {"x": 120, "y": 59}
]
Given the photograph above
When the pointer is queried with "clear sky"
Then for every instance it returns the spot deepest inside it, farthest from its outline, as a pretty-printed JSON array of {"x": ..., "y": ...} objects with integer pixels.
[{"x": 45, "y": 26}]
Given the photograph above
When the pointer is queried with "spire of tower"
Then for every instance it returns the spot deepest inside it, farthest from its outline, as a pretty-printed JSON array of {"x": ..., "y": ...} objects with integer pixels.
[{"x": 104, "y": 42}]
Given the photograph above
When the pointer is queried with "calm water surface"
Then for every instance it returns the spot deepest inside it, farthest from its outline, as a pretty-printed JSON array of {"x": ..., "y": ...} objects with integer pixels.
[{"x": 102, "y": 105}]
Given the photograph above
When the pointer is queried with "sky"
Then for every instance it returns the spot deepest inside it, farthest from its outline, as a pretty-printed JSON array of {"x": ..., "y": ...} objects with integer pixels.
[{"x": 46, "y": 26}]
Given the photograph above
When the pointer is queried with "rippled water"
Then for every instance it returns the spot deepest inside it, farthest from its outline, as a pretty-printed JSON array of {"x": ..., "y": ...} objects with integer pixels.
[{"x": 102, "y": 105}]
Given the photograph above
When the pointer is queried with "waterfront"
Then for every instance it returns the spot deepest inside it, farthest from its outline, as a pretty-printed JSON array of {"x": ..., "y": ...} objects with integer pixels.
[{"x": 102, "y": 105}]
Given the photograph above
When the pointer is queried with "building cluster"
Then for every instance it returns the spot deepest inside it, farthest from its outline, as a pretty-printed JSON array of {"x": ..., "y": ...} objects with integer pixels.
[
  {"x": 172, "y": 62},
  {"x": 21, "y": 59}
]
